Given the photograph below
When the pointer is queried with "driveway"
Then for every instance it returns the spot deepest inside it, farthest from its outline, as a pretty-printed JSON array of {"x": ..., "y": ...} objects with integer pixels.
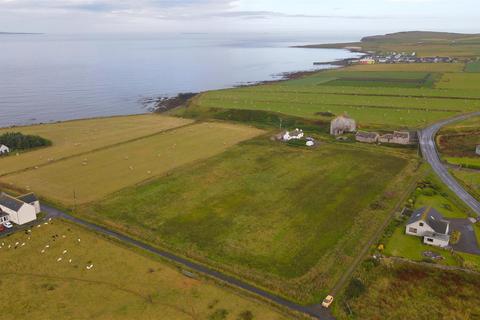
[{"x": 468, "y": 241}]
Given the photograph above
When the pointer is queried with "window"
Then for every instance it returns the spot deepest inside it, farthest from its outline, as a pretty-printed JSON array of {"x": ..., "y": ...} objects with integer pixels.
[
  {"x": 421, "y": 224},
  {"x": 412, "y": 230},
  {"x": 429, "y": 240}
]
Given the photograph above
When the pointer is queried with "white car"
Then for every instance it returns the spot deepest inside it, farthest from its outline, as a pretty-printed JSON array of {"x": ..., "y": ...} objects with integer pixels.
[
  {"x": 8, "y": 224},
  {"x": 327, "y": 301}
]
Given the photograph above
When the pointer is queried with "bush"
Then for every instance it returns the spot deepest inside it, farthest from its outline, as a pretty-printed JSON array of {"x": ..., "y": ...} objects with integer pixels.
[
  {"x": 455, "y": 237},
  {"x": 245, "y": 315},
  {"x": 19, "y": 141},
  {"x": 219, "y": 314},
  {"x": 355, "y": 289}
]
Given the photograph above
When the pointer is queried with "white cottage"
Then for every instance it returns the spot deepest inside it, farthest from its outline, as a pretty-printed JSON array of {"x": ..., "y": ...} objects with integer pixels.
[
  {"x": 294, "y": 135},
  {"x": 31, "y": 199},
  {"x": 4, "y": 149},
  {"x": 18, "y": 211},
  {"x": 429, "y": 224}
]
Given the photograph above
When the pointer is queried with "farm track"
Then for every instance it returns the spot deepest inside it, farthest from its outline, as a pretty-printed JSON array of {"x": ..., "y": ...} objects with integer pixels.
[
  {"x": 96, "y": 150},
  {"x": 315, "y": 311}
]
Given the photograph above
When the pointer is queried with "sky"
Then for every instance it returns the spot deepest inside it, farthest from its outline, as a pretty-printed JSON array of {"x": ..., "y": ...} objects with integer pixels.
[{"x": 355, "y": 17}]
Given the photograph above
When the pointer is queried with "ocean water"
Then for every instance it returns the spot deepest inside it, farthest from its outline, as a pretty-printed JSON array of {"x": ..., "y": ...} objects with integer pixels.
[{"x": 47, "y": 78}]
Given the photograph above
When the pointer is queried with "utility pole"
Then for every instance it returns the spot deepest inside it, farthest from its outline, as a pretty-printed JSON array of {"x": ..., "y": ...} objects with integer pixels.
[{"x": 74, "y": 201}]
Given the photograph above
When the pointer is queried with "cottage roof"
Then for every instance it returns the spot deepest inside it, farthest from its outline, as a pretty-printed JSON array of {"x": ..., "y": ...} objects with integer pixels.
[
  {"x": 28, "y": 198},
  {"x": 365, "y": 134},
  {"x": 10, "y": 202},
  {"x": 431, "y": 217},
  {"x": 401, "y": 134}
]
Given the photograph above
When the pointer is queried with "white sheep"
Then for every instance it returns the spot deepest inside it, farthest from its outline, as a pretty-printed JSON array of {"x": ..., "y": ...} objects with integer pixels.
[
  {"x": 64, "y": 251},
  {"x": 23, "y": 244},
  {"x": 64, "y": 236},
  {"x": 59, "y": 259},
  {"x": 16, "y": 243},
  {"x": 47, "y": 246},
  {"x": 43, "y": 251},
  {"x": 90, "y": 267},
  {"x": 78, "y": 239},
  {"x": 69, "y": 260}
]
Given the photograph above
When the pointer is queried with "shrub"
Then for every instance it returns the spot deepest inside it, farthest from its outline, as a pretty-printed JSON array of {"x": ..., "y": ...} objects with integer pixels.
[
  {"x": 245, "y": 315},
  {"x": 19, "y": 141},
  {"x": 219, "y": 314},
  {"x": 455, "y": 237},
  {"x": 355, "y": 289}
]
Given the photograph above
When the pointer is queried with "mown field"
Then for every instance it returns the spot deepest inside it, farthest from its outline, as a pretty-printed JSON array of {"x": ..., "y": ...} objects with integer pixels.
[
  {"x": 391, "y": 290},
  {"x": 469, "y": 81},
  {"x": 76, "y": 137},
  {"x": 288, "y": 218},
  {"x": 93, "y": 175},
  {"x": 122, "y": 284}
]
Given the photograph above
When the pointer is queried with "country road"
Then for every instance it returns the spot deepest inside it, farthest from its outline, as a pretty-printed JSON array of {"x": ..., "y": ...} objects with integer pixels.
[
  {"x": 429, "y": 151},
  {"x": 316, "y": 311}
]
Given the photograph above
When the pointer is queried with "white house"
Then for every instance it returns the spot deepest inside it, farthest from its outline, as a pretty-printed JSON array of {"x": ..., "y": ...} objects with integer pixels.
[
  {"x": 31, "y": 199},
  {"x": 4, "y": 149},
  {"x": 294, "y": 135},
  {"x": 429, "y": 224},
  {"x": 18, "y": 211}
]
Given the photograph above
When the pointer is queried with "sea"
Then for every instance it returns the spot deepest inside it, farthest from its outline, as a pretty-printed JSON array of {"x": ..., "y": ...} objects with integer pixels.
[{"x": 54, "y": 77}]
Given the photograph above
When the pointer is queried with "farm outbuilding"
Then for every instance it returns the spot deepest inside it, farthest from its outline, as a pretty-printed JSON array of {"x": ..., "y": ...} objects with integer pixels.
[{"x": 342, "y": 124}]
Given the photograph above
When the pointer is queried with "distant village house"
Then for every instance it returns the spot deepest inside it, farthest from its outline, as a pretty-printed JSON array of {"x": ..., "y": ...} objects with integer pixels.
[
  {"x": 4, "y": 149},
  {"x": 477, "y": 150},
  {"x": 19, "y": 210},
  {"x": 429, "y": 224},
  {"x": 342, "y": 124}
]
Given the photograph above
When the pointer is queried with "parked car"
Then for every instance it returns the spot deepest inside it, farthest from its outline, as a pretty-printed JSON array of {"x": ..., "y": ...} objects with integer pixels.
[
  {"x": 2, "y": 228},
  {"x": 327, "y": 301},
  {"x": 8, "y": 224}
]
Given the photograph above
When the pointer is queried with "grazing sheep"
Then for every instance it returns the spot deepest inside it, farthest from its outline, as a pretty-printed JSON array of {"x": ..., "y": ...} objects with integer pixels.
[
  {"x": 43, "y": 251},
  {"x": 47, "y": 246},
  {"x": 59, "y": 259},
  {"x": 22, "y": 244},
  {"x": 90, "y": 267},
  {"x": 39, "y": 226},
  {"x": 64, "y": 251},
  {"x": 45, "y": 223},
  {"x": 78, "y": 239},
  {"x": 9, "y": 246},
  {"x": 64, "y": 236},
  {"x": 69, "y": 260},
  {"x": 16, "y": 243}
]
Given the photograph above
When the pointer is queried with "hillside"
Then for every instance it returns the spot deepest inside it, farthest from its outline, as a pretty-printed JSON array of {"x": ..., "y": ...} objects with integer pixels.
[{"x": 424, "y": 43}]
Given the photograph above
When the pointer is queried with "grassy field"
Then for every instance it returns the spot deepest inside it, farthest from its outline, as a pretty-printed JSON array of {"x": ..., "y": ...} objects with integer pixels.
[
  {"x": 94, "y": 175},
  {"x": 470, "y": 179},
  {"x": 457, "y": 143},
  {"x": 369, "y": 106},
  {"x": 288, "y": 218},
  {"x": 122, "y": 284},
  {"x": 473, "y": 66},
  {"x": 470, "y": 81},
  {"x": 80, "y": 136},
  {"x": 405, "y": 291}
]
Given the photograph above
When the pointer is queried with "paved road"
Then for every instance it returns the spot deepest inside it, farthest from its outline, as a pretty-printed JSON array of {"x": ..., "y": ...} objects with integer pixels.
[
  {"x": 429, "y": 151},
  {"x": 315, "y": 311}
]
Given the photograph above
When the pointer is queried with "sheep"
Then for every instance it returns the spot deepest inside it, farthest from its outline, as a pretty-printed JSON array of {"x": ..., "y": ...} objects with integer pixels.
[
  {"x": 16, "y": 243},
  {"x": 9, "y": 246},
  {"x": 43, "y": 251},
  {"x": 90, "y": 267},
  {"x": 69, "y": 260},
  {"x": 64, "y": 236},
  {"x": 47, "y": 246},
  {"x": 78, "y": 239},
  {"x": 59, "y": 259},
  {"x": 22, "y": 244},
  {"x": 64, "y": 251},
  {"x": 45, "y": 223}
]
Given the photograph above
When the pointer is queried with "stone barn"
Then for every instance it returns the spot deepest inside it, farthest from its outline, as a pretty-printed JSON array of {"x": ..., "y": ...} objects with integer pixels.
[
  {"x": 342, "y": 124},
  {"x": 368, "y": 137}
]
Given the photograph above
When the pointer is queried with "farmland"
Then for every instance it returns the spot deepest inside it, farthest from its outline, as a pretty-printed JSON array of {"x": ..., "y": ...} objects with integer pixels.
[
  {"x": 93, "y": 175},
  {"x": 378, "y": 107},
  {"x": 391, "y": 290},
  {"x": 140, "y": 286},
  {"x": 409, "y": 67},
  {"x": 473, "y": 66},
  {"x": 280, "y": 216},
  {"x": 76, "y": 137},
  {"x": 469, "y": 81}
]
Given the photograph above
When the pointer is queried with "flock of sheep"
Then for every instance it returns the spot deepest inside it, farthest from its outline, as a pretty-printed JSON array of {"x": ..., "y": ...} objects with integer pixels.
[{"x": 28, "y": 232}]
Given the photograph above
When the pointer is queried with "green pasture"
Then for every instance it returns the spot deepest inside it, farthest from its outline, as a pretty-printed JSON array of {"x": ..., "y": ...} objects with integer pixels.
[
  {"x": 473, "y": 66},
  {"x": 287, "y": 218}
]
